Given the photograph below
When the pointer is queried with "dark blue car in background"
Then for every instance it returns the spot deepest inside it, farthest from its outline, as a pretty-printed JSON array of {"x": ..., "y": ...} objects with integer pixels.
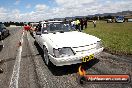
[
  {"x": 119, "y": 19},
  {"x": 3, "y": 31}
]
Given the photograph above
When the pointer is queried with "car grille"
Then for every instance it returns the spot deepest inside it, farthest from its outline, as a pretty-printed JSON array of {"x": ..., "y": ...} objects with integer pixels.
[{"x": 84, "y": 48}]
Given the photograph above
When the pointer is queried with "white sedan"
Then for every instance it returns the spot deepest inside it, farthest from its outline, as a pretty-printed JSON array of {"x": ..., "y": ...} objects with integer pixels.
[{"x": 62, "y": 46}]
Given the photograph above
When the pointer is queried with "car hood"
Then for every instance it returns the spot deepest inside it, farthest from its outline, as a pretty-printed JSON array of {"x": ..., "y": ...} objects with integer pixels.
[{"x": 72, "y": 39}]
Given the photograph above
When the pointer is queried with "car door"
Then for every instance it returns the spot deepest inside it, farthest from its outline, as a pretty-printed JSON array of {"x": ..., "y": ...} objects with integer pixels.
[
  {"x": 41, "y": 37},
  {"x": 41, "y": 41},
  {"x": 37, "y": 37}
]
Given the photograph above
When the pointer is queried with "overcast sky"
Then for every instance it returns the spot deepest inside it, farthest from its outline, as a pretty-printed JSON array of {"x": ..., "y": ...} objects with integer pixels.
[{"x": 36, "y": 10}]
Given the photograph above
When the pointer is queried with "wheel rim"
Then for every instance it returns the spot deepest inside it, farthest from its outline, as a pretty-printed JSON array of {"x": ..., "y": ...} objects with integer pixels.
[{"x": 46, "y": 56}]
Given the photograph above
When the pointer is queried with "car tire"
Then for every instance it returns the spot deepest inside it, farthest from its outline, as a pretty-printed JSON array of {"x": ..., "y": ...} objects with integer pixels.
[
  {"x": 46, "y": 56},
  {"x": 8, "y": 33},
  {"x": 2, "y": 37},
  {"x": 35, "y": 42}
]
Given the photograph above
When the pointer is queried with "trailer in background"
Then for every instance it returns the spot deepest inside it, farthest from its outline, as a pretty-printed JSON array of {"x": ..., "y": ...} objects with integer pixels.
[{"x": 128, "y": 18}]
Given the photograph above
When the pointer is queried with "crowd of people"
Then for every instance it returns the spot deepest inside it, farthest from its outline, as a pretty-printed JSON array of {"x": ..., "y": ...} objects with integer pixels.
[
  {"x": 77, "y": 24},
  {"x": 80, "y": 24}
]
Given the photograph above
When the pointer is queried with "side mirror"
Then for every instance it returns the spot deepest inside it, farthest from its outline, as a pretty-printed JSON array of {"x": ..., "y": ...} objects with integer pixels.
[{"x": 38, "y": 33}]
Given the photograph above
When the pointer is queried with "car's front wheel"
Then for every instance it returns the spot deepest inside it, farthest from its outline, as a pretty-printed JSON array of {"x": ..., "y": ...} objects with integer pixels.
[
  {"x": 46, "y": 56},
  {"x": 8, "y": 33},
  {"x": 2, "y": 37}
]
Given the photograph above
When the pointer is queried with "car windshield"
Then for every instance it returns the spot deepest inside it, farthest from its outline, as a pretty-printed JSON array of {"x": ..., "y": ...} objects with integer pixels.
[{"x": 55, "y": 27}]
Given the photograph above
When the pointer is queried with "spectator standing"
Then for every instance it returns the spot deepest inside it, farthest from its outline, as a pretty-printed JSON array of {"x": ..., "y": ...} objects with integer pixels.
[
  {"x": 73, "y": 25},
  {"x": 94, "y": 23},
  {"x": 85, "y": 23},
  {"x": 38, "y": 27},
  {"x": 65, "y": 21},
  {"x": 27, "y": 27},
  {"x": 69, "y": 24},
  {"x": 82, "y": 24},
  {"x": 78, "y": 25}
]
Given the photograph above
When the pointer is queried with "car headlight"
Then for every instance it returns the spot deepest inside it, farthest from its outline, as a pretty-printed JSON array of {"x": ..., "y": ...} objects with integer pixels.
[
  {"x": 63, "y": 52},
  {"x": 99, "y": 45}
]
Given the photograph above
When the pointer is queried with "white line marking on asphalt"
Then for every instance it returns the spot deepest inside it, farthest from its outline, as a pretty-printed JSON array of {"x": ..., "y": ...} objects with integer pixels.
[{"x": 16, "y": 69}]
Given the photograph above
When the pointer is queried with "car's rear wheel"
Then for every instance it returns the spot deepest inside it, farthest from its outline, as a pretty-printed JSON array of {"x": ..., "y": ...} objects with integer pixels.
[{"x": 46, "y": 56}]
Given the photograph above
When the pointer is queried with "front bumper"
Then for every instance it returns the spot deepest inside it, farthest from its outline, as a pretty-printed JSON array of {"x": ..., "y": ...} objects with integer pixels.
[{"x": 74, "y": 59}]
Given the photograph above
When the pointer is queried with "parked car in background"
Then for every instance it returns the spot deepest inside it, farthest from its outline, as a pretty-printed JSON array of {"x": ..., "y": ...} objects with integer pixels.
[
  {"x": 62, "y": 46},
  {"x": 119, "y": 19},
  {"x": 109, "y": 20},
  {"x": 3, "y": 31}
]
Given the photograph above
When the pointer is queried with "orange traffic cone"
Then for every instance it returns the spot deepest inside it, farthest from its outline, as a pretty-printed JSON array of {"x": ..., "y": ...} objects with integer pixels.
[{"x": 19, "y": 44}]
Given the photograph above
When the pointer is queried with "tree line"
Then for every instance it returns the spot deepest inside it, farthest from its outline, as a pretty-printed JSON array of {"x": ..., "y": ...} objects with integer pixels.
[{"x": 7, "y": 24}]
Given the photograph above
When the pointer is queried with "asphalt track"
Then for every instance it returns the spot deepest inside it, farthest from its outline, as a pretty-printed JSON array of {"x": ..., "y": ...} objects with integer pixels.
[{"x": 23, "y": 66}]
